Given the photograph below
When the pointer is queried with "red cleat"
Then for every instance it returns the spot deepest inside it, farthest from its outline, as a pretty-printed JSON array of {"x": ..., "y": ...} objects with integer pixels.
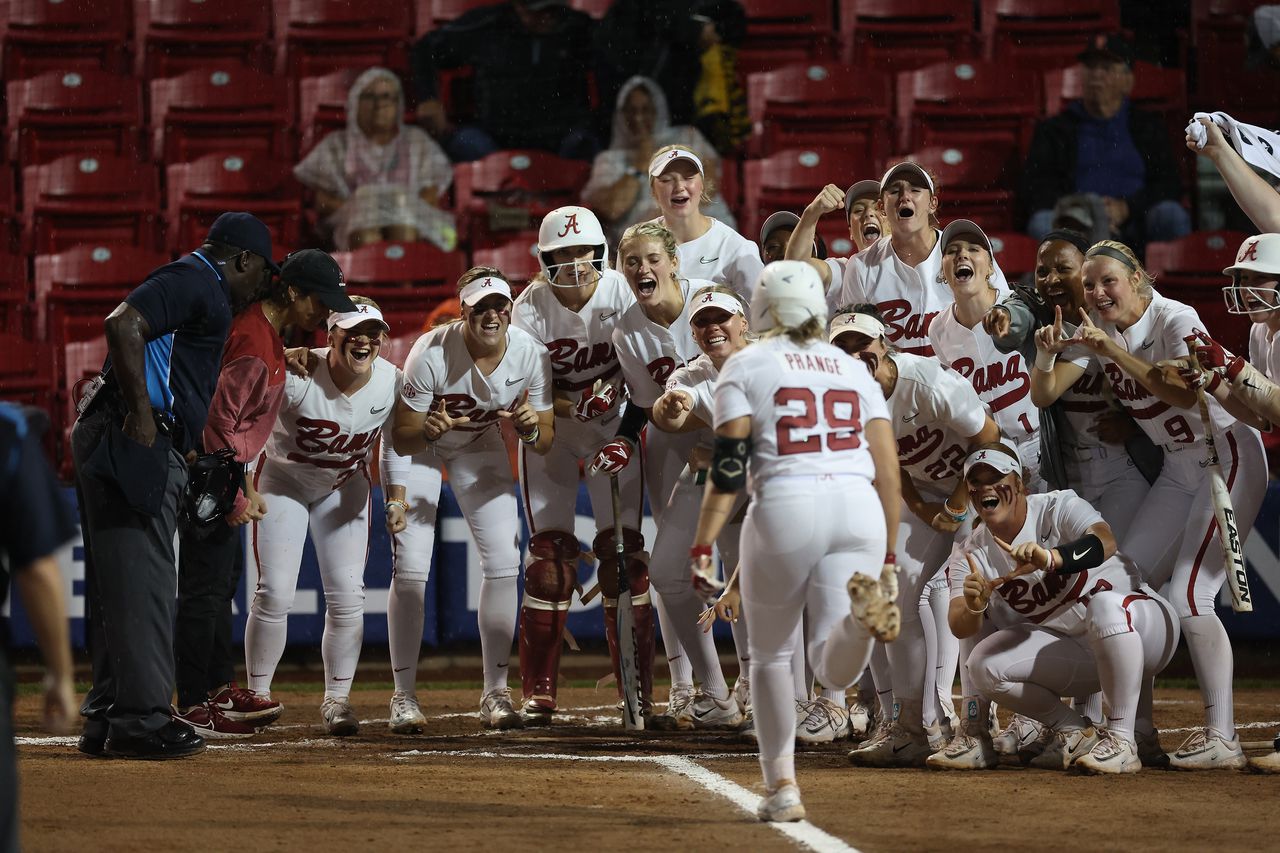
[{"x": 245, "y": 706}]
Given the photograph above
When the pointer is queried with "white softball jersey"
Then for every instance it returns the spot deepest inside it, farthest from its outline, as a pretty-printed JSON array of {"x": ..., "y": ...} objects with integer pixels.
[
  {"x": 723, "y": 256},
  {"x": 649, "y": 353},
  {"x": 1047, "y": 599},
  {"x": 934, "y": 412},
  {"x": 439, "y": 368},
  {"x": 1264, "y": 355},
  {"x": 808, "y": 407},
  {"x": 698, "y": 380}
]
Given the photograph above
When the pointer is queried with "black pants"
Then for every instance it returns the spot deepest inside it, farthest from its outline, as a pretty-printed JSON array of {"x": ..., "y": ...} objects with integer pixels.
[
  {"x": 209, "y": 569},
  {"x": 8, "y": 764}
]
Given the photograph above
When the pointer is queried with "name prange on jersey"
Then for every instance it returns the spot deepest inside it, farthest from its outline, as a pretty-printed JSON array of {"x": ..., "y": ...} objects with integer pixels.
[{"x": 815, "y": 363}]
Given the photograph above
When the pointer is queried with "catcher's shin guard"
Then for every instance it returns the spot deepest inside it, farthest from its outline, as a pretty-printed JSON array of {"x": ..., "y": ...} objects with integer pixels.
[
  {"x": 550, "y": 575},
  {"x": 642, "y": 608}
]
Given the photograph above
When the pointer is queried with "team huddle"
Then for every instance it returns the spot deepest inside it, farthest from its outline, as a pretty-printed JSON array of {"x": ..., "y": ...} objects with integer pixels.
[{"x": 907, "y": 466}]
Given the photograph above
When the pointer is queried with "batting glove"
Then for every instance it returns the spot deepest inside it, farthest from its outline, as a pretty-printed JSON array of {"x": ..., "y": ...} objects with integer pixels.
[
  {"x": 611, "y": 458},
  {"x": 595, "y": 403},
  {"x": 702, "y": 572}
]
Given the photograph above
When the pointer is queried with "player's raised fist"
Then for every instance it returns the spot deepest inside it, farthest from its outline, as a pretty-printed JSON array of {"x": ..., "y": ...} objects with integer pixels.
[{"x": 829, "y": 199}]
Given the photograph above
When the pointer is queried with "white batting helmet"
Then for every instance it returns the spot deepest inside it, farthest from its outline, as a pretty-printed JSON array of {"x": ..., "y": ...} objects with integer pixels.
[
  {"x": 1259, "y": 254},
  {"x": 570, "y": 226},
  {"x": 787, "y": 294}
]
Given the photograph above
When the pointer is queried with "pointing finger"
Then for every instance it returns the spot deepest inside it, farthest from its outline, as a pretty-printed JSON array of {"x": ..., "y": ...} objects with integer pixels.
[
  {"x": 1005, "y": 546},
  {"x": 1084, "y": 319}
]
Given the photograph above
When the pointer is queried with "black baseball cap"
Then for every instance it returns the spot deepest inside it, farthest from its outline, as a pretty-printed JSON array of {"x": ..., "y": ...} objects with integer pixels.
[
  {"x": 313, "y": 271},
  {"x": 246, "y": 232},
  {"x": 1108, "y": 47}
]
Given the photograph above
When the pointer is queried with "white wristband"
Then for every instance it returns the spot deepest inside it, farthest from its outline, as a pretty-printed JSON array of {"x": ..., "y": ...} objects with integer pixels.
[{"x": 1045, "y": 360}]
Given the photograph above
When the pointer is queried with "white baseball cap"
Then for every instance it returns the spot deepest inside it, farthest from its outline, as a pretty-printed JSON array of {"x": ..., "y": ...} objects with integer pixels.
[
  {"x": 362, "y": 314},
  {"x": 708, "y": 298},
  {"x": 482, "y": 287},
  {"x": 1259, "y": 253},
  {"x": 1000, "y": 460},
  {"x": 852, "y": 321},
  {"x": 912, "y": 172},
  {"x": 661, "y": 161}
]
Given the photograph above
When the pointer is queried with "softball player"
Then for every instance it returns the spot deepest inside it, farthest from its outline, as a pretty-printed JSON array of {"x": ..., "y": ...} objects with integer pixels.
[
  {"x": 937, "y": 418},
  {"x": 314, "y": 475},
  {"x": 1137, "y": 327},
  {"x": 460, "y": 381},
  {"x": 572, "y": 308},
  {"x": 709, "y": 249},
  {"x": 900, "y": 273},
  {"x": 1070, "y": 617},
  {"x": 811, "y": 423},
  {"x": 867, "y": 224}
]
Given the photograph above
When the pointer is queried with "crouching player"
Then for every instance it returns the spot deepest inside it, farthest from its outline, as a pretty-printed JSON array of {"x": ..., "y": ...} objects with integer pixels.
[{"x": 1068, "y": 616}]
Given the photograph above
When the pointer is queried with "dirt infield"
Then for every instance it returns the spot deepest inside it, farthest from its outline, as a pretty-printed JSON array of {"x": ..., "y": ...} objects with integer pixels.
[{"x": 591, "y": 785}]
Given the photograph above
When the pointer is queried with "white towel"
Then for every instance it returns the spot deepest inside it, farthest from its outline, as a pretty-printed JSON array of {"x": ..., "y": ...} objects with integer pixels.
[{"x": 1257, "y": 145}]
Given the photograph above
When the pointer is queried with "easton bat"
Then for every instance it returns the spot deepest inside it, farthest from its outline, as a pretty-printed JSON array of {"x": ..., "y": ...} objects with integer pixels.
[{"x": 628, "y": 668}]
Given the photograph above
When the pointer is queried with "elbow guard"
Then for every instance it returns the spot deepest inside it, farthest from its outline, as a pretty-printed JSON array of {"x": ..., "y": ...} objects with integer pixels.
[
  {"x": 1081, "y": 555},
  {"x": 729, "y": 463}
]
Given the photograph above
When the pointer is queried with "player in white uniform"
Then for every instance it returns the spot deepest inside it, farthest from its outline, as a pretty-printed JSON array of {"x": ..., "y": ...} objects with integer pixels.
[
  {"x": 937, "y": 418},
  {"x": 314, "y": 475},
  {"x": 572, "y": 308},
  {"x": 709, "y": 249},
  {"x": 1137, "y": 330},
  {"x": 460, "y": 381},
  {"x": 1059, "y": 613},
  {"x": 900, "y": 273},
  {"x": 812, "y": 425},
  {"x": 867, "y": 224}
]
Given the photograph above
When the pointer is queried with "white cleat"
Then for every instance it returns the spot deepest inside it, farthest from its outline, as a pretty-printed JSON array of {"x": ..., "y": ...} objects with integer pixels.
[
  {"x": 497, "y": 712},
  {"x": 1065, "y": 748},
  {"x": 1111, "y": 754},
  {"x": 966, "y": 752},
  {"x": 1016, "y": 737},
  {"x": 900, "y": 748},
  {"x": 940, "y": 734},
  {"x": 1269, "y": 763},
  {"x": 747, "y": 729},
  {"x": 781, "y": 806},
  {"x": 339, "y": 719},
  {"x": 821, "y": 721},
  {"x": 1205, "y": 750},
  {"x": 859, "y": 719},
  {"x": 406, "y": 715},
  {"x": 680, "y": 706},
  {"x": 869, "y": 606},
  {"x": 742, "y": 694},
  {"x": 708, "y": 712}
]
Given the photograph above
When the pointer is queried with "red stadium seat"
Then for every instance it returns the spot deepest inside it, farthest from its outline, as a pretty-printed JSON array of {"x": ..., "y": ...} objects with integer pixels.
[
  {"x": 322, "y": 106},
  {"x": 396, "y": 350},
  {"x": 512, "y": 191},
  {"x": 70, "y": 112},
  {"x": 517, "y": 259},
  {"x": 1044, "y": 33},
  {"x": 820, "y": 104},
  {"x": 315, "y": 36},
  {"x": 405, "y": 279},
  {"x": 106, "y": 200},
  {"x": 1190, "y": 270},
  {"x": 15, "y": 295},
  {"x": 8, "y": 208},
  {"x": 786, "y": 31},
  {"x": 1154, "y": 88},
  {"x": 790, "y": 179},
  {"x": 1015, "y": 253},
  {"x": 201, "y": 190},
  {"x": 27, "y": 372},
  {"x": 952, "y": 103},
  {"x": 890, "y": 35},
  {"x": 1219, "y": 35},
  {"x": 220, "y": 107},
  {"x": 81, "y": 361},
  {"x": 80, "y": 35},
  {"x": 77, "y": 288},
  {"x": 173, "y": 36},
  {"x": 972, "y": 183},
  {"x": 595, "y": 8}
]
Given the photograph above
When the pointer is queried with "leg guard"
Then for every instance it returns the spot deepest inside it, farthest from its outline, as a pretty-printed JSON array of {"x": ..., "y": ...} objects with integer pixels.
[
  {"x": 642, "y": 609},
  {"x": 550, "y": 574}
]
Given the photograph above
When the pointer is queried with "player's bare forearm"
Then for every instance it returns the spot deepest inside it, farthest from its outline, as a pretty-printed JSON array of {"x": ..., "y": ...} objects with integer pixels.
[
  {"x": 407, "y": 436},
  {"x": 126, "y": 333},
  {"x": 546, "y": 432},
  {"x": 1048, "y": 386},
  {"x": 1238, "y": 409},
  {"x": 1256, "y": 393},
  {"x": 1256, "y": 197},
  {"x": 964, "y": 623},
  {"x": 910, "y": 494},
  {"x": 40, "y": 585}
]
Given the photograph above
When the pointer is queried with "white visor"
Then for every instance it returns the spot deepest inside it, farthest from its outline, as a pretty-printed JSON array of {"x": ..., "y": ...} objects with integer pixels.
[
  {"x": 659, "y": 163},
  {"x": 351, "y": 319},
  {"x": 997, "y": 459},
  {"x": 715, "y": 299},
  {"x": 853, "y": 322},
  {"x": 482, "y": 287}
]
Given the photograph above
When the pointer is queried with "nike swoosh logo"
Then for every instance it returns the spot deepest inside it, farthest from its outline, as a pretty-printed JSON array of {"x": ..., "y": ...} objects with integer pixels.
[
  {"x": 708, "y": 260},
  {"x": 906, "y": 419},
  {"x": 400, "y": 669},
  {"x": 226, "y": 706},
  {"x": 1249, "y": 384},
  {"x": 604, "y": 317},
  {"x": 257, "y": 675},
  {"x": 514, "y": 381},
  {"x": 897, "y": 749},
  {"x": 1075, "y": 555},
  {"x": 348, "y": 678},
  {"x": 377, "y": 411},
  {"x": 1148, "y": 344},
  {"x": 501, "y": 665}
]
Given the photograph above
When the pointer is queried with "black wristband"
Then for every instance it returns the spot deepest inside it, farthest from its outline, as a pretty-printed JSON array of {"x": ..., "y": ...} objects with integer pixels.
[
  {"x": 1081, "y": 555},
  {"x": 632, "y": 421}
]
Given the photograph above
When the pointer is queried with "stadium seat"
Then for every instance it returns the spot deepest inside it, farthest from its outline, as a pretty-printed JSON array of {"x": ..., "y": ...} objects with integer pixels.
[
  {"x": 1190, "y": 270},
  {"x": 1223, "y": 81},
  {"x": 8, "y": 211},
  {"x": 790, "y": 179},
  {"x": 517, "y": 259},
  {"x": 70, "y": 112},
  {"x": 173, "y": 36},
  {"x": 972, "y": 183},
  {"x": 15, "y": 295},
  {"x": 952, "y": 103},
  {"x": 316, "y": 36},
  {"x": 822, "y": 104},
  {"x": 322, "y": 106},
  {"x": 81, "y": 361},
  {"x": 1154, "y": 88},
  {"x": 27, "y": 372},
  {"x": 77, "y": 288},
  {"x": 511, "y": 191},
  {"x": 890, "y": 35},
  {"x": 1015, "y": 253},
  {"x": 595, "y": 8},
  {"x": 405, "y": 279},
  {"x": 1043, "y": 33},
  {"x": 220, "y": 107},
  {"x": 67, "y": 35},
  {"x": 780, "y": 32},
  {"x": 396, "y": 350},
  {"x": 200, "y": 190},
  {"x": 430, "y": 14},
  {"x": 107, "y": 200}
]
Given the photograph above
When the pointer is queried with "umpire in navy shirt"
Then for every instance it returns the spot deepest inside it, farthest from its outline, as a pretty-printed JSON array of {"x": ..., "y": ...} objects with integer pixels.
[{"x": 137, "y": 423}]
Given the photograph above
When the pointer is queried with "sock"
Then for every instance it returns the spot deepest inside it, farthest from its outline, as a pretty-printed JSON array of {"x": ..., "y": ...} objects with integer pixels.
[
  {"x": 801, "y": 683},
  {"x": 1211, "y": 656},
  {"x": 843, "y": 657},
  {"x": 1091, "y": 705},
  {"x": 265, "y": 636},
  {"x": 882, "y": 679},
  {"x": 740, "y": 637},
  {"x": 699, "y": 646},
  {"x": 497, "y": 628},
  {"x": 929, "y": 712},
  {"x": 340, "y": 645},
  {"x": 948, "y": 650},
  {"x": 677, "y": 662},
  {"x": 1120, "y": 666},
  {"x": 775, "y": 716},
  {"x": 404, "y": 631}
]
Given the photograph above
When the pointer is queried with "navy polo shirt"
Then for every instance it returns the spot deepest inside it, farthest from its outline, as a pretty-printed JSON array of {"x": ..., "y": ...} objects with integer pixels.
[
  {"x": 1108, "y": 161},
  {"x": 187, "y": 306}
]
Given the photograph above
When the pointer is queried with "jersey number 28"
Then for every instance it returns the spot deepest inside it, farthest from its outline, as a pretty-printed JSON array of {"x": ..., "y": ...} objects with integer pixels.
[{"x": 840, "y": 409}]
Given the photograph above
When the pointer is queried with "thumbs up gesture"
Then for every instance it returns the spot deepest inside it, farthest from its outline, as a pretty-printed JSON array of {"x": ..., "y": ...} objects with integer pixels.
[{"x": 438, "y": 422}]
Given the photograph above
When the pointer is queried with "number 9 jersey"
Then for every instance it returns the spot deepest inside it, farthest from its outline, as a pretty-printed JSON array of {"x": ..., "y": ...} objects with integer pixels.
[{"x": 807, "y": 405}]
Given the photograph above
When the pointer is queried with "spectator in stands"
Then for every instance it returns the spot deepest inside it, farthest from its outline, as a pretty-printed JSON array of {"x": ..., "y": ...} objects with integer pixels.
[
  {"x": 531, "y": 63},
  {"x": 618, "y": 190},
  {"x": 1101, "y": 144},
  {"x": 379, "y": 180}
]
